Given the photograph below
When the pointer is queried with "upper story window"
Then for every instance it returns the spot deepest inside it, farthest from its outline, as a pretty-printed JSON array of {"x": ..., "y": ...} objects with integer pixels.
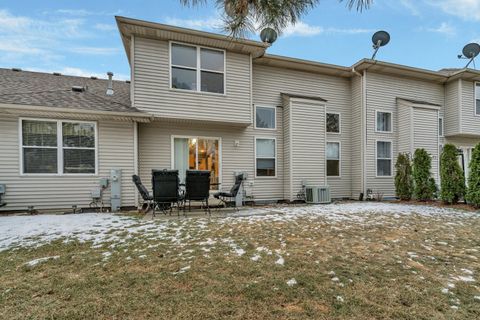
[
  {"x": 333, "y": 122},
  {"x": 58, "y": 147},
  {"x": 197, "y": 68},
  {"x": 265, "y": 117},
  {"x": 477, "y": 98},
  {"x": 383, "y": 121}
]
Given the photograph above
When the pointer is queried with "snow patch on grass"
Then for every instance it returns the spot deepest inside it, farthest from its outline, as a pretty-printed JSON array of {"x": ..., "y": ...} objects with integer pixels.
[
  {"x": 291, "y": 282},
  {"x": 35, "y": 262}
]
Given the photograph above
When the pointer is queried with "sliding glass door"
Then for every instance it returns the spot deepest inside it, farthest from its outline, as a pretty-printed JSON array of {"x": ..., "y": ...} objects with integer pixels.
[{"x": 196, "y": 153}]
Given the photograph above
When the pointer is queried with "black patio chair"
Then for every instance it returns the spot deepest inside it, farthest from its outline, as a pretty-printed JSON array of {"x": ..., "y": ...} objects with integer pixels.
[
  {"x": 228, "y": 198},
  {"x": 146, "y": 196},
  {"x": 197, "y": 188},
  {"x": 166, "y": 192}
]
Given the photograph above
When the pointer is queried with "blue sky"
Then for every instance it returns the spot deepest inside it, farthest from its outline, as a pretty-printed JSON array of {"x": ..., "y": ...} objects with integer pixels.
[{"x": 81, "y": 38}]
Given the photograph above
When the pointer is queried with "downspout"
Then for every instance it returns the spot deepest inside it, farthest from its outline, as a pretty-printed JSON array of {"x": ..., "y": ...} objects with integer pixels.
[{"x": 135, "y": 157}]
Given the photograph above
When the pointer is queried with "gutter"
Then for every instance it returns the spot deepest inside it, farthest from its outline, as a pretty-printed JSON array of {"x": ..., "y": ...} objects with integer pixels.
[{"x": 138, "y": 116}]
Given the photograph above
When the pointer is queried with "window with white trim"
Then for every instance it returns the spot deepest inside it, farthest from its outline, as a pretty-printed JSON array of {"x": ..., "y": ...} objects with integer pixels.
[
  {"x": 440, "y": 127},
  {"x": 477, "y": 98},
  {"x": 384, "y": 158},
  {"x": 333, "y": 122},
  {"x": 265, "y": 117},
  {"x": 383, "y": 121},
  {"x": 266, "y": 157},
  {"x": 58, "y": 147},
  {"x": 333, "y": 159},
  {"x": 197, "y": 69}
]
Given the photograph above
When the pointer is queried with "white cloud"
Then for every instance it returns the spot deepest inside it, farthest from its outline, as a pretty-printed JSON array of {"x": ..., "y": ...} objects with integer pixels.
[
  {"x": 303, "y": 29},
  {"x": 444, "y": 28},
  {"x": 26, "y": 36},
  {"x": 214, "y": 23},
  {"x": 410, "y": 6},
  {"x": 73, "y": 71},
  {"x": 465, "y": 9},
  {"x": 105, "y": 27},
  {"x": 84, "y": 13},
  {"x": 94, "y": 50}
]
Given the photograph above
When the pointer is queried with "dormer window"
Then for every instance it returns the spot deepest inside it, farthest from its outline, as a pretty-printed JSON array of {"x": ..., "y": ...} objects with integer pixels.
[{"x": 197, "y": 68}]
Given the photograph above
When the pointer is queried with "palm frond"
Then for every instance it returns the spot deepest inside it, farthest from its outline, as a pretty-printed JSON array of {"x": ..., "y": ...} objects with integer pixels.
[
  {"x": 360, "y": 5},
  {"x": 241, "y": 17}
]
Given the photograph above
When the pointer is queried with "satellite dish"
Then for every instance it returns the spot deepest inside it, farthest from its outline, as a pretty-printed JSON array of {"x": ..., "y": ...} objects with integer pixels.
[
  {"x": 268, "y": 35},
  {"x": 379, "y": 39},
  {"x": 470, "y": 51}
]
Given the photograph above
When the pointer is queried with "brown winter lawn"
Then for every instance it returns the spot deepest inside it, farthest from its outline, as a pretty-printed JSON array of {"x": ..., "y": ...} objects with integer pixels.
[{"x": 347, "y": 261}]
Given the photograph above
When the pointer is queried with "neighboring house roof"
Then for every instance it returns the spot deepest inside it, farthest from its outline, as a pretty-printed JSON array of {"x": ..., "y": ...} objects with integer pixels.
[{"x": 49, "y": 90}]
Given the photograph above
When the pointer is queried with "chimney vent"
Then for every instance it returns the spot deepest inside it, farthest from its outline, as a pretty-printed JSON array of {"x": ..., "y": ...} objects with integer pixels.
[{"x": 110, "y": 84}]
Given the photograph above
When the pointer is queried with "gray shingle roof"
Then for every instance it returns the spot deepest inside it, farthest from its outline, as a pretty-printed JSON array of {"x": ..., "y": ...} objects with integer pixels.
[{"x": 45, "y": 89}]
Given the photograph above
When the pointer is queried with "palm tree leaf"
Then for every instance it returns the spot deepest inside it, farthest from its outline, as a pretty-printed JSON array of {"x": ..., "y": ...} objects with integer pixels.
[{"x": 241, "y": 17}]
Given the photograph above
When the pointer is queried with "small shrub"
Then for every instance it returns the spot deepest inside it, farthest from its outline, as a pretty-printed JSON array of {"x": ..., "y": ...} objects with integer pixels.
[
  {"x": 403, "y": 177},
  {"x": 473, "y": 193},
  {"x": 424, "y": 185},
  {"x": 452, "y": 178}
]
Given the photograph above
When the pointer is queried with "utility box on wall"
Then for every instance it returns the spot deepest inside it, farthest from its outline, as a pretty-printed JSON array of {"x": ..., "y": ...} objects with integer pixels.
[{"x": 115, "y": 189}]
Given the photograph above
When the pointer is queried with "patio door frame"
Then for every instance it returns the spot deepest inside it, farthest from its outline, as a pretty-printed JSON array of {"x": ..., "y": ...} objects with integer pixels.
[{"x": 220, "y": 157}]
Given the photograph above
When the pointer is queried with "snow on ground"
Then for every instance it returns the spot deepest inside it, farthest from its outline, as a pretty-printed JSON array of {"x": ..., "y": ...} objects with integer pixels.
[
  {"x": 33, "y": 231},
  {"x": 33, "y": 263}
]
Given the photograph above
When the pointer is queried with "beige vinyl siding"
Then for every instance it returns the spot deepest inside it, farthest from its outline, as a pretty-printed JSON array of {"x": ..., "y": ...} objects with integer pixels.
[
  {"x": 270, "y": 82},
  {"x": 425, "y": 130},
  {"x": 357, "y": 134},
  {"x": 115, "y": 150},
  {"x": 155, "y": 152},
  {"x": 382, "y": 92},
  {"x": 153, "y": 93},
  {"x": 405, "y": 130},
  {"x": 308, "y": 142},
  {"x": 470, "y": 121},
  {"x": 452, "y": 108},
  {"x": 287, "y": 165}
]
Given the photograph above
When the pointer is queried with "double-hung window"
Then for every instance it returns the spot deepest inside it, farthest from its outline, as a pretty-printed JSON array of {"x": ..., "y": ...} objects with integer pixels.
[
  {"x": 477, "y": 98},
  {"x": 333, "y": 159},
  {"x": 333, "y": 122},
  {"x": 266, "y": 157},
  {"x": 383, "y": 121},
  {"x": 197, "y": 69},
  {"x": 265, "y": 117},
  {"x": 384, "y": 158},
  {"x": 58, "y": 147}
]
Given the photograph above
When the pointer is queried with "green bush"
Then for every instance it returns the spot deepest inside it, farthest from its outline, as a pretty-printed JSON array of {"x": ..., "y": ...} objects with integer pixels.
[
  {"x": 451, "y": 174},
  {"x": 473, "y": 193},
  {"x": 403, "y": 177},
  {"x": 424, "y": 186}
]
